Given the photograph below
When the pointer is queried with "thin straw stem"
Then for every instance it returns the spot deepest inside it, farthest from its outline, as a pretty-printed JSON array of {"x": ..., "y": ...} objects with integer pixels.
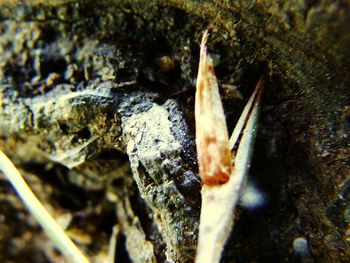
[{"x": 53, "y": 230}]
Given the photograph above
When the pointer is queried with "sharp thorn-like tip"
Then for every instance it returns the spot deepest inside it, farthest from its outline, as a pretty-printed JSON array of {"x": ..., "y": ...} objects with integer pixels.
[
  {"x": 205, "y": 37},
  {"x": 260, "y": 87},
  {"x": 204, "y": 40},
  {"x": 261, "y": 82}
]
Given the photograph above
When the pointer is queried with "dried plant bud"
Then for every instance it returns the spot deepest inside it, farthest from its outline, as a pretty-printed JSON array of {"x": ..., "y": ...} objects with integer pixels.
[{"x": 214, "y": 156}]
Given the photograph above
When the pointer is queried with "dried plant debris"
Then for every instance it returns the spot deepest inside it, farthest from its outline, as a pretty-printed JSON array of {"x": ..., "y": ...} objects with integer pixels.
[
  {"x": 223, "y": 164},
  {"x": 53, "y": 230},
  {"x": 214, "y": 157}
]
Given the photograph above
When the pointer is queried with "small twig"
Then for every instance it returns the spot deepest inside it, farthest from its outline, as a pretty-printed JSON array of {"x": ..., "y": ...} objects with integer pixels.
[{"x": 53, "y": 230}]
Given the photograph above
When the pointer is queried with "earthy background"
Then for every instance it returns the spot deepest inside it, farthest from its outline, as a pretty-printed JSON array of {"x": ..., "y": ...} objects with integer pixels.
[{"x": 97, "y": 101}]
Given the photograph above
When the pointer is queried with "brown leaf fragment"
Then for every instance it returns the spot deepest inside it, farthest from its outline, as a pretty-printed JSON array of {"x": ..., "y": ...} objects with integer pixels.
[{"x": 213, "y": 153}]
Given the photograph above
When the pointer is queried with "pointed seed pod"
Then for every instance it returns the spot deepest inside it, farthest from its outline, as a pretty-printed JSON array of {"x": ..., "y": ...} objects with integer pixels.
[{"x": 213, "y": 153}]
